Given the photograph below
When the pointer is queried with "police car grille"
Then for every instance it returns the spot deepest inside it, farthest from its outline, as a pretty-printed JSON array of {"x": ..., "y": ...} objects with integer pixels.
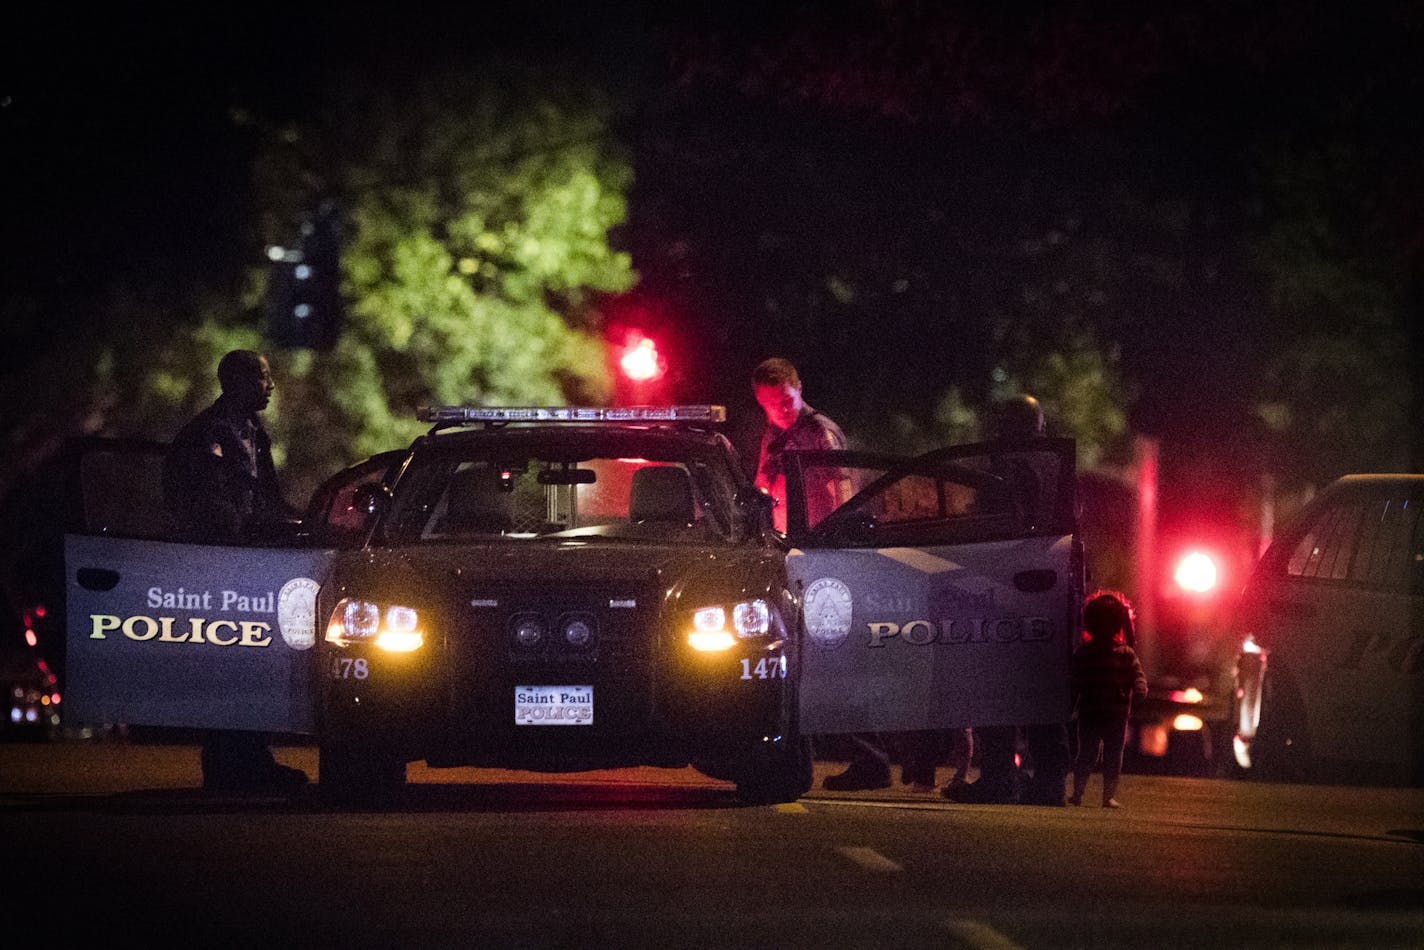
[{"x": 618, "y": 662}]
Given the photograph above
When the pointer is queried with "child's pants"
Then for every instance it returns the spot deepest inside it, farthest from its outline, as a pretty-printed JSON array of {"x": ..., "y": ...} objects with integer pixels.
[{"x": 1109, "y": 735}]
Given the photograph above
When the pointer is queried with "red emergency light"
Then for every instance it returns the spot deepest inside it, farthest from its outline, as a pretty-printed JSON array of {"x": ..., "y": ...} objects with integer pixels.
[
  {"x": 1196, "y": 573},
  {"x": 641, "y": 361}
]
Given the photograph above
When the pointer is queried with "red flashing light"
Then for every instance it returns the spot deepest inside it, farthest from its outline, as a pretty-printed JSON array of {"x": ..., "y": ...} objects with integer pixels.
[
  {"x": 641, "y": 361},
  {"x": 1196, "y": 573},
  {"x": 30, "y": 637}
]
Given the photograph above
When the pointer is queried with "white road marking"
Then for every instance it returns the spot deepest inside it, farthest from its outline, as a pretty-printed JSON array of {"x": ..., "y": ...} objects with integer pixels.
[
  {"x": 870, "y": 859},
  {"x": 979, "y": 935}
]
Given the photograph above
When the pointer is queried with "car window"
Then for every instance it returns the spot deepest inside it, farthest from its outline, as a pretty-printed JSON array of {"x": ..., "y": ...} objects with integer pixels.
[
  {"x": 534, "y": 494},
  {"x": 121, "y": 491},
  {"x": 1324, "y": 552},
  {"x": 1374, "y": 540},
  {"x": 973, "y": 493},
  {"x": 1387, "y": 553},
  {"x": 333, "y": 516}
]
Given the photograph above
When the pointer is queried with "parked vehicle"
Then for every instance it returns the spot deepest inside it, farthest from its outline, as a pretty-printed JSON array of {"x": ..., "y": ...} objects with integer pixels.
[
  {"x": 563, "y": 589},
  {"x": 1330, "y": 674}
]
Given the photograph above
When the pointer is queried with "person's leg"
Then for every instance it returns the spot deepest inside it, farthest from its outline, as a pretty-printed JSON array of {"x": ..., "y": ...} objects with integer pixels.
[
  {"x": 998, "y": 773},
  {"x": 920, "y": 752},
  {"x": 1088, "y": 743},
  {"x": 234, "y": 760},
  {"x": 869, "y": 766},
  {"x": 961, "y": 753},
  {"x": 1048, "y": 757},
  {"x": 1114, "y": 738}
]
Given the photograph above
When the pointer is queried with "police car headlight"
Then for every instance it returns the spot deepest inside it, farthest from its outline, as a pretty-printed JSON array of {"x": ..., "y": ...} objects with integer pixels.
[
  {"x": 752, "y": 618},
  {"x": 709, "y": 632},
  {"x": 709, "y": 619},
  {"x": 401, "y": 631},
  {"x": 393, "y": 627}
]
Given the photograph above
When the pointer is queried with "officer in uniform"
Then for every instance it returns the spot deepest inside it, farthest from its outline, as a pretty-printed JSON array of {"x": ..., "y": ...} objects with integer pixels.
[
  {"x": 220, "y": 487},
  {"x": 792, "y": 424},
  {"x": 1000, "y": 778}
]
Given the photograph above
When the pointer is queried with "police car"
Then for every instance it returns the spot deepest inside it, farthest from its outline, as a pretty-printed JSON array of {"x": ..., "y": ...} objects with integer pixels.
[
  {"x": 564, "y": 589},
  {"x": 1331, "y": 667}
]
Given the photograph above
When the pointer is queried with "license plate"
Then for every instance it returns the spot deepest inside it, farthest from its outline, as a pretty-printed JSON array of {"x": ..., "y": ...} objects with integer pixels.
[{"x": 553, "y": 705}]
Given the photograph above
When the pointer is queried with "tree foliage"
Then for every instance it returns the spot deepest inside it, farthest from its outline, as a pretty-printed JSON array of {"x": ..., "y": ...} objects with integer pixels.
[
  {"x": 478, "y": 208},
  {"x": 477, "y": 212}
]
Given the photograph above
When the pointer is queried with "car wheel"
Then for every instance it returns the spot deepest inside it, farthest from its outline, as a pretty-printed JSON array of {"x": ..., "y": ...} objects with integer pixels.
[
  {"x": 780, "y": 773},
  {"x": 347, "y": 773}
]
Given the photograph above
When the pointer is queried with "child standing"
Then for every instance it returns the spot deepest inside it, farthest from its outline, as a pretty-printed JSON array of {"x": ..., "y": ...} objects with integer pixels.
[{"x": 1106, "y": 677}]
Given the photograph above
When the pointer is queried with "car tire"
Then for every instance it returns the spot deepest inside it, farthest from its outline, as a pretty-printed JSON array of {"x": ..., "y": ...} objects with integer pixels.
[
  {"x": 347, "y": 773},
  {"x": 775, "y": 776}
]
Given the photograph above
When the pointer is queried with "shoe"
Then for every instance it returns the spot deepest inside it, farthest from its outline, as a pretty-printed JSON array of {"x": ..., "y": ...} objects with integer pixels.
[
  {"x": 269, "y": 777},
  {"x": 858, "y": 778},
  {"x": 981, "y": 793},
  {"x": 1111, "y": 803}
]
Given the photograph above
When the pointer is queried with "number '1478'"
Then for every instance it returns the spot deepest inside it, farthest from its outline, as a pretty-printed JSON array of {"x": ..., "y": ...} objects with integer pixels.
[{"x": 772, "y": 668}]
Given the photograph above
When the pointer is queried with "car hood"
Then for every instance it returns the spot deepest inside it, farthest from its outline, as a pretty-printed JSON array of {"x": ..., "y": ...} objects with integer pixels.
[{"x": 676, "y": 571}]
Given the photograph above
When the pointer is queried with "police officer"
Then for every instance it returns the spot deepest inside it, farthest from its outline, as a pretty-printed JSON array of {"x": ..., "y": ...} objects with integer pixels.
[
  {"x": 792, "y": 424},
  {"x": 1046, "y": 744},
  {"x": 220, "y": 487}
]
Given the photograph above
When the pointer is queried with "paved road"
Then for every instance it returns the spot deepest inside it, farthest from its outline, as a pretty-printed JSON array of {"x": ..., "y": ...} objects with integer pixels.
[{"x": 105, "y": 841}]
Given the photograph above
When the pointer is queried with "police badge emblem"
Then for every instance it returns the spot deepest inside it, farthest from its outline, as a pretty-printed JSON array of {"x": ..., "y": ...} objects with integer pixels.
[
  {"x": 296, "y": 612},
  {"x": 828, "y": 612}
]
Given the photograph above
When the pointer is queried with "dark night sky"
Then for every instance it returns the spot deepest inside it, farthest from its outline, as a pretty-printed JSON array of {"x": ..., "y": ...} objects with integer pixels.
[{"x": 119, "y": 159}]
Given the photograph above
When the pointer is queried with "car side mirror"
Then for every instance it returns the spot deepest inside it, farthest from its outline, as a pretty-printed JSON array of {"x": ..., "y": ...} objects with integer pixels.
[
  {"x": 371, "y": 501},
  {"x": 757, "y": 503}
]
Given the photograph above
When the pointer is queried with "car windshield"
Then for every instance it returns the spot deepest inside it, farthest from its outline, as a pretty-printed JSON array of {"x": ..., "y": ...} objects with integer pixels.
[{"x": 566, "y": 485}]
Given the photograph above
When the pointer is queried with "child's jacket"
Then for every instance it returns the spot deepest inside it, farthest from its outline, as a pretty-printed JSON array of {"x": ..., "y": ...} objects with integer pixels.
[{"x": 1106, "y": 676}]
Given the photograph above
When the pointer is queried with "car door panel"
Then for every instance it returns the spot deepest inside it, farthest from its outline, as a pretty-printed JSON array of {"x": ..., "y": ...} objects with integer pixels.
[
  {"x": 160, "y": 633},
  {"x": 970, "y": 623},
  {"x": 165, "y": 634},
  {"x": 936, "y": 637}
]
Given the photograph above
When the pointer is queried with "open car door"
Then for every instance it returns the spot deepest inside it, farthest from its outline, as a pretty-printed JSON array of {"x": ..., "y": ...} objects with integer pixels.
[
  {"x": 941, "y": 591},
  {"x": 186, "y": 635}
]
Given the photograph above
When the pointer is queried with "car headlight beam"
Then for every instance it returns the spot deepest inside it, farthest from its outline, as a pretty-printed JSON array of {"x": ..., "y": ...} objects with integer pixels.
[
  {"x": 710, "y": 634},
  {"x": 394, "y": 627}
]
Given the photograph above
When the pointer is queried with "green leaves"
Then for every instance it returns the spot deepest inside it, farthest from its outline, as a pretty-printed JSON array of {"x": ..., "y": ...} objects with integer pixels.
[{"x": 479, "y": 210}]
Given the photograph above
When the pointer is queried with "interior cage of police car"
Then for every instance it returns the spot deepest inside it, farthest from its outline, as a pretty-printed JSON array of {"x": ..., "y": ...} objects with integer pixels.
[{"x": 568, "y": 483}]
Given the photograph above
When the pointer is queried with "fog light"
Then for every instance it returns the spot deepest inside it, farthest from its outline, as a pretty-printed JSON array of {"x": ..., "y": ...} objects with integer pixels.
[
  {"x": 528, "y": 632},
  {"x": 400, "y": 641},
  {"x": 577, "y": 633},
  {"x": 711, "y": 641}
]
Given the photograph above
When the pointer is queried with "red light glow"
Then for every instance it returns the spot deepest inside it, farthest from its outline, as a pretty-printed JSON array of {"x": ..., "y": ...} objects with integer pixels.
[
  {"x": 1196, "y": 573},
  {"x": 30, "y": 638},
  {"x": 640, "y": 361}
]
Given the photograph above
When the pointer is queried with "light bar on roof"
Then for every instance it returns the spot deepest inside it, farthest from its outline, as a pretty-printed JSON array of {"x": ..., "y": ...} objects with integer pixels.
[{"x": 438, "y": 414}]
